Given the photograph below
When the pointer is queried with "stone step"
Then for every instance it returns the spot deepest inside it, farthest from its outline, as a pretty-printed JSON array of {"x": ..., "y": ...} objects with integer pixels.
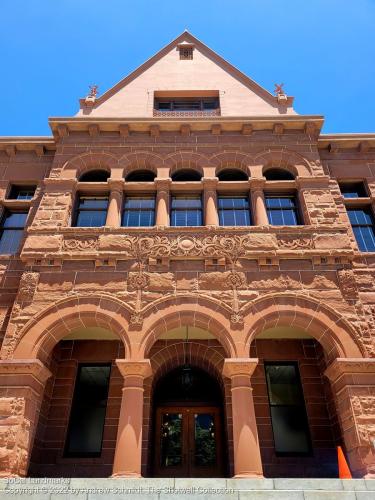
[{"x": 181, "y": 489}]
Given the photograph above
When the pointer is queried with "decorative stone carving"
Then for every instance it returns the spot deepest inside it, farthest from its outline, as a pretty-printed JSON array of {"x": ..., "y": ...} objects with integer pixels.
[
  {"x": 139, "y": 282},
  {"x": 294, "y": 243},
  {"x": 364, "y": 412},
  {"x": 348, "y": 284},
  {"x": 236, "y": 280},
  {"x": 28, "y": 283},
  {"x": 80, "y": 244}
]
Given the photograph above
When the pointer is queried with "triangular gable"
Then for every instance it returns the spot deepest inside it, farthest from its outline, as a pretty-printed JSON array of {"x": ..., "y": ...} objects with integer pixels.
[{"x": 133, "y": 96}]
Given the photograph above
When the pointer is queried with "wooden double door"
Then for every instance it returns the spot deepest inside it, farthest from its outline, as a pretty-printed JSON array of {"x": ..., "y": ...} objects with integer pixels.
[{"x": 188, "y": 442}]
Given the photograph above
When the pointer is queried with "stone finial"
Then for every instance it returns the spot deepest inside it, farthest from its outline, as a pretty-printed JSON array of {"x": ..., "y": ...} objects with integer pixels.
[
  {"x": 92, "y": 95},
  {"x": 280, "y": 93}
]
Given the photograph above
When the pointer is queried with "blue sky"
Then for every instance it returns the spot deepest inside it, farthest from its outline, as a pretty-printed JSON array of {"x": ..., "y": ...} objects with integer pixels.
[{"x": 51, "y": 50}]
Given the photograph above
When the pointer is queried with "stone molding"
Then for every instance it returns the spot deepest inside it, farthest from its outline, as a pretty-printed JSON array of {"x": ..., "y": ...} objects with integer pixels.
[
  {"x": 350, "y": 366},
  {"x": 20, "y": 367},
  {"x": 234, "y": 367}
]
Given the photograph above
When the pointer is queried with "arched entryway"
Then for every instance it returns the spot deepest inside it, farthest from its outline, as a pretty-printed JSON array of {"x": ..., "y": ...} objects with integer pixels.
[{"x": 188, "y": 436}]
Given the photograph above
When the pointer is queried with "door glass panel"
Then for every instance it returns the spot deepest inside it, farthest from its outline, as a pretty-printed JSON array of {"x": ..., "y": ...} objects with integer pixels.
[
  {"x": 205, "y": 440},
  {"x": 171, "y": 439}
]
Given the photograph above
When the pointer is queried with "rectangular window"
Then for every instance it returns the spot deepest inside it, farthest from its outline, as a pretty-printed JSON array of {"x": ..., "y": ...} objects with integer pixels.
[
  {"x": 187, "y": 104},
  {"x": 288, "y": 412},
  {"x": 234, "y": 210},
  {"x": 21, "y": 192},
  {"x": 138, "y": 211},
  {"x": 186, "y": 210},
  {"x": 282, "y": 210},
  {"x": 12, "y": 230},
  {"x": 353, "y": 190},
  {"x": 91, "y": 211},
  {"x": 362, "y": 221},
  {"x": 88, "y": 411}
]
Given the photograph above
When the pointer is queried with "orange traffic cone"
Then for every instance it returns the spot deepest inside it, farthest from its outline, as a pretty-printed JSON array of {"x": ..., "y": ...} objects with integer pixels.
[{"x": 344, "y": 471}]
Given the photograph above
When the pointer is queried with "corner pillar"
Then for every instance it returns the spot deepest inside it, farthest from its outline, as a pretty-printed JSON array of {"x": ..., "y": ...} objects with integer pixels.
[
  {"x": 128, "y": 453},
  {"x": 353, "y": 387},
  {"x": 247, "y": 459},
  {"x": 162, "y": 201},
  {"x": 22, "y": 383}
]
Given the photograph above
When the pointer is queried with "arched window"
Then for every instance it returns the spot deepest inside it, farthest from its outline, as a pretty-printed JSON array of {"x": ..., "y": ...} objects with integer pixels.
[
  {"x": 232, "y": 174},
  {"x": 278, "y": 174},
  {"x": 186, "y": 175},
  {"x": 140, "y": 176},
  {"x": 94, "y": 176}
]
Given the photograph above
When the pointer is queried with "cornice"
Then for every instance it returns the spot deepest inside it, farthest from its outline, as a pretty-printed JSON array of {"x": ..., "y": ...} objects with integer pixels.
[
  {"x": 173, "y": 124},
  {"x": 350, "y": 366}
]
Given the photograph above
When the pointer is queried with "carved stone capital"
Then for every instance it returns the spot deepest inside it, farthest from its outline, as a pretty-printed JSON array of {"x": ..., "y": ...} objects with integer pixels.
[
  {"x": 257, "y": 183},
  {"x": 210, "y": 183},
  {"x": 234, "y": 367},
  {"x": 140, "y": 368},
  {"x": 116, "y": 185},
  {"x": 350, "y": 366},
  {"x": 21, "y": 367},
  {"x": 162, "y": 184}
]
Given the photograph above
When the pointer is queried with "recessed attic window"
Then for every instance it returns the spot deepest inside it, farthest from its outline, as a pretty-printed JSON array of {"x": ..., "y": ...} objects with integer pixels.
[
  {"x": 186, "y": 51},
  {"x": 186, "y": 54}
]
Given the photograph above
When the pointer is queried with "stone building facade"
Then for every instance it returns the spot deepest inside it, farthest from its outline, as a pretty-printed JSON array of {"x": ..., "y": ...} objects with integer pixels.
[{"x": 187, "y": 224}]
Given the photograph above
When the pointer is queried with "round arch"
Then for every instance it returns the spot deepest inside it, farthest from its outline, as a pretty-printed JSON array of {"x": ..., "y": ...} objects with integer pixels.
[
  {"x": 172, "y": 312},
  {"x": 139, "y": 160},
  {"x": 186, "y": 160},
  {"x": 288, "y": 160},
  {"x": 78, "y": 165},
  {"x": 232, "y": 159},
  {"x": 46, "y": 329},
  {"x": 333, "y": 332}
]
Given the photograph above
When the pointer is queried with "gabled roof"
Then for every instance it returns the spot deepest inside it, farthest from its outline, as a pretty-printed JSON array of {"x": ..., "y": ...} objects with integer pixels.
[{"x": 187, "y": 37}]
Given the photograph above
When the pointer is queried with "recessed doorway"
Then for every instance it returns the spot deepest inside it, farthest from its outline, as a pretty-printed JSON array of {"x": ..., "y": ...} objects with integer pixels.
[{"x": 188, "y": 425}]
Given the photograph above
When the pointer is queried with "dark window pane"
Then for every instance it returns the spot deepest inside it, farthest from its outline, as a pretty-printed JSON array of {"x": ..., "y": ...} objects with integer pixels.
[
  {"x": 95, "y": 176},
  {"x": 88, "y": 411},
  {"x": 171, "y": 440},
  {"x": 289, "y": 429},
  {"x": 16, "y": 219},
  {"x": 353, "y": 190},
  {"x": 283, "y": 384},
  {"x": 91, "y": 219},
  {"x": 10, "y": 241},
  {"x": 141, "y": 176},
  {"x": 88, "y": 203},
  {"x": 22, "y": 192},
  {"x": 287, "y": 407},
  {"x": 278, "y": 174},
  {"x": 205, "y": 440}
]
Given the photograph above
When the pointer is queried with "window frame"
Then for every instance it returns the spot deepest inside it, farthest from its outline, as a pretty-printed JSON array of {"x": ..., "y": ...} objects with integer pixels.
[
  {"x": 370, "y": 208},
  {"x": 21, "y": 187},
  {"x": 308, "y": 453},
  {"x": 78, "y": 210},
  {"x": 190, "y": 196},
  {"x": 66, "y": 452},
  {"x": 361, "y": 182},
  {"x": 296, "y": 208},
  {"x": 143, "y": 196},
  {"x": 3, "y": 229},
  {"x": 238, "y": 195}
]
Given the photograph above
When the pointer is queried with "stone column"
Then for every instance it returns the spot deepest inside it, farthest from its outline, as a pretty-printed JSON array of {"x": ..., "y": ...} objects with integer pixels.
[
  {"x": 260, "y": 216},
  {"x": 115, "y": 203},
  {"x": 22, "y": 383},
  {"x": 211, "y": 217},
  {"x": 353, "y": 387},
  {"x": 247, "y": 459},
  {"x": 128, "y": 454},
  {"x": 162, "y": 201}
]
